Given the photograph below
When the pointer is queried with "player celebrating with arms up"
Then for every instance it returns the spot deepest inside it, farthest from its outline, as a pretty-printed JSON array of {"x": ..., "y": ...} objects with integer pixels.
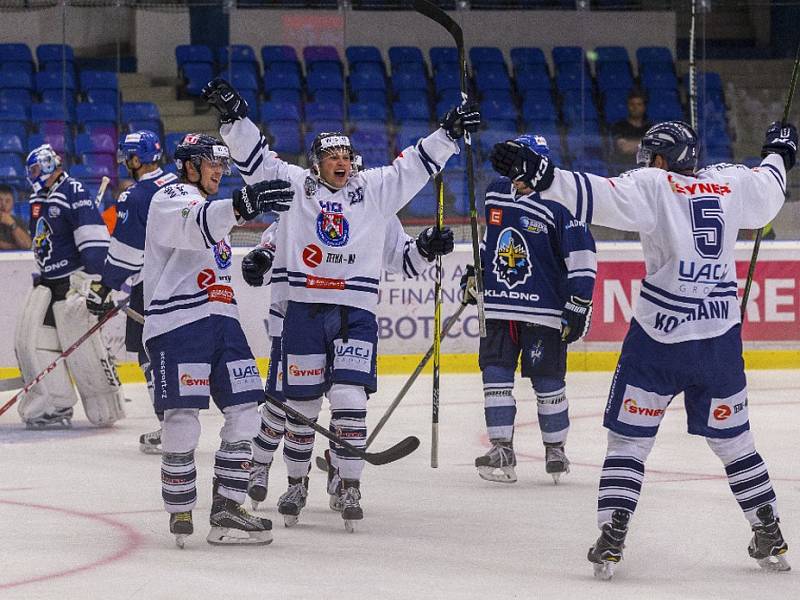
[{"x": 686, "y": 332}]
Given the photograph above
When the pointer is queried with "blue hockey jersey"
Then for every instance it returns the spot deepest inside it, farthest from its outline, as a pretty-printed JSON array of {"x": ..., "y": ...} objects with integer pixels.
[
  {"x": 67, "y": 230},
  {"x": 535, "y": 255}
]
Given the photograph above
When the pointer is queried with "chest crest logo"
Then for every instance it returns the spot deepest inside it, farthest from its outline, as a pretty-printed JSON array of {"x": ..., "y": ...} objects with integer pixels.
[{"x": 511, "y": 262}]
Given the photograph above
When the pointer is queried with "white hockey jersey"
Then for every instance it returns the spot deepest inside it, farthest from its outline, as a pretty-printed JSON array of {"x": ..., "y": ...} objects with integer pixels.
[
  {"x": 329, "y": 238},
  {"x": 187, "y": 259},
  {"x": 400, "y": 254},
  {"x": 688, "y": 227}
]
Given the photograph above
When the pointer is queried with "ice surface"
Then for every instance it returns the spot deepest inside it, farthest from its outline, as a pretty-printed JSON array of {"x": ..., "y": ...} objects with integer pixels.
[{"x": 81, "y": 511}]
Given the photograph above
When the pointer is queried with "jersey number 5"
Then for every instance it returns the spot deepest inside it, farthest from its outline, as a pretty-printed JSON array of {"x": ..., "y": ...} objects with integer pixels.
[{"x": 707, "y": 226}]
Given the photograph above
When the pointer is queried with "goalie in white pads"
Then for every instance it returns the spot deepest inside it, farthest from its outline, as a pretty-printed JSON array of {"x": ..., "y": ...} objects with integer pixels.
[
  {"x": 70, "y": 242},
  {"x": 330, "y": 329},
  {"x": 195, "y": 342},
  {"x": 686, "y": 332}
]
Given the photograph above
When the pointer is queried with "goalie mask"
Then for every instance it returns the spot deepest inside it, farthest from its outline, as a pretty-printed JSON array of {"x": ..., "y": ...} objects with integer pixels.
[
  {"x": 675, "y": 141},
  {"x": 328, "y": 144},
  {"x": 41, "y": 163}
]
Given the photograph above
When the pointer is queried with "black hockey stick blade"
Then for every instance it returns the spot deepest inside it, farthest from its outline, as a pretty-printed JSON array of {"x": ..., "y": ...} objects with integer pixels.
[
  {"x": 321, "y": 463},
  {"x": 400, "y": 450},
  {"x": 435, "y": 13}
]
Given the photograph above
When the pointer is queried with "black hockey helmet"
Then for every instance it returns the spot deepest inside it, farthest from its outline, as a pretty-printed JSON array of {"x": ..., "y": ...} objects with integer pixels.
[
  {"x": 676, "y": 141},
  {"x": 196, "y": 147}
]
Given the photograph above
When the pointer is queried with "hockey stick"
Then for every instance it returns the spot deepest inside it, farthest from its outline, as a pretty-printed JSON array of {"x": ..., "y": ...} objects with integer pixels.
[
  {"x": 49, "y": 368},
  {"x": 448, "y": 324},
  {"x": 757, "y": 244},
  {"x": 692, "y": 71},
  {"x": 400, "y": 450},
  {"x": 433, "y": 12},
  {"x": 437, "y": 324},
  {"x": 102, "y": 190}
]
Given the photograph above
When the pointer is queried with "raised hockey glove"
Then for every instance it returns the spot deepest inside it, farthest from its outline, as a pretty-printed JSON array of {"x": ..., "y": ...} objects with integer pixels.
[
  {"x": 781, "y": 139},
  {"x": 221, "y": 95},
  {"x": 433, "y": 242},
  {"x": 98, "y": 299},
  {"x": 255, "y": 264},
  {"x": 264, "y": 196},
  {"x": 519, "y": 163},
  {"x": 575, "y": 319},
  {"x": 469, "y": 289},
  {"x": 459, "y": 119}
]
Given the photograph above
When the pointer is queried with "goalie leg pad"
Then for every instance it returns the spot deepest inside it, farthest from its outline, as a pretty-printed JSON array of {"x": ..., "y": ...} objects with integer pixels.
[
  {"x": 36, "y": 346},
  {"x": 91, "y": 365}
]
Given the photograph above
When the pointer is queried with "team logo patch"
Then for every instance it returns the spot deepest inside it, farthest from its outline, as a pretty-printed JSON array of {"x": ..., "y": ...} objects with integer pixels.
[
  {"x": 353, "y": 355},
  {"x": 726, "y": 413},
  {"x": 312, "y": 256},
  {"x": 333, "y": 229},
  {"x": 305, "y": 369},
  {"x": 36, "y": 210},
  {"x": 310, "y": 186},
  {"x": 532, "y": 225},
  {"x": 495, "y": 216},
  {"x": 42, "y": 246},
  {"x": 193, "y": 379},
  {"x": 53, "y": 212},
  {"x": 536, "y": 353},
  {"x": 206, "y": 278},
  {"x": 222, "y": 254},
  {"x": 642, "y": 408},
  {"x": 511, "y": 263},
  {"x": 355, "y": 196},
  {"x": 244, "y": 375}
]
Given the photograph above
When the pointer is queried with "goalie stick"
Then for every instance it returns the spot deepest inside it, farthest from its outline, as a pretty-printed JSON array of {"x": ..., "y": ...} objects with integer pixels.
[
  {"x": 49, "y": 368},
  {"x": 400, "y": 450},
  {"x": 433, "y": 12},
  {"x": 757, "y": 243}
]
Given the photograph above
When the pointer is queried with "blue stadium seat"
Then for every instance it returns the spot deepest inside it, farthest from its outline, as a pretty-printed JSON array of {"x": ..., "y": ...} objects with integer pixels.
[
  {"x": 369, "y": 96},
  {"x": 49, "y": 80},
  {"x": 405, "y": 54},
  {"x": 607, "y": 54},
  {"x": 650, "y": 55},
  {"x": 171, "y": 141},
  {"x": 659, "y": 80},
  {"x": 410, "y": 133},
  {"x": 193, "y": 53},
  {"x": 16, "y": 79},
  {"x": 105, "y": 80},
  {"x": 572, "y": 80},
  {"x": 61, "y": 142},
  {"x": 196, "y": 75},
  {"x": 103, "y": 97},
  {"x": 15, "y": 128},
  {"x": 567, "y": 54},
  {"x": 415, "y": 69},
  {"x": 15, "y": 96},
  {"x": 11, "y": 143},
  {"x": 532, "y": 76},
  {"x": 487, "y": 55},
  {"x": 58, "y": 97},
  {"x": 535, "y": 108},
  {"x": 446, "y": 80},
  {"x": 95, "y": 144},
  {"x": 12, "y": 112},
  {"x": 408, "y": 81},
  {"x": 277, "y": 54},
  {"x": 709, "y": 80},
  {"x": 139, "y": 111},
  {"x": 280, "y": 111},
  {"x": 92, "y": 173},
  {"x": 663, "y": 111},
  {"x": 492, "y": 79},
  {"x": 48, "y": 111},
  {"x": 419, "y": 96},
  {"x": 325, "y": 110},
  {"x": 315, "y": 125},
  {"x": 366, "y": 80},
  {"x": 281, "y": 79},
  {"x": 442, "y": 55},
  {"x": 358, "y": 111},
  {"x": 358, "y": 55},
  {"x": 527, "y": 56},
  {"x": 369, "y": 69},
  {"x": 237, "y": 53},
  {"x": 616, "y": 79},
  {"x": 16, "y": 53},
  {"x": 423, "y": 204},
  {"x": 615, "y": 109},
  {"x": 285, "y": 137},
  {"x": 328, "y": 96},
  {"x": 315, "y": 56},
  {"x": 241, "y": 77},
  {"x": 493, "y": 110},
  {"x": 287, "y": 95},
  {"x": 411, "y": 111},
  {"x": 54, "y": 53},
  {"x": 324, "y": 80}
]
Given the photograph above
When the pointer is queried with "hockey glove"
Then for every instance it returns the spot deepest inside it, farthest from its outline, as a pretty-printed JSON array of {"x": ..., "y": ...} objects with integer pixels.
[
  {"x": 519, "y": 163},
  {"x": 575, "y": 319},
  {"x": 469, "y": 293},
  {"x": 459, "y": 119},
  {"x": 221, "y": 95},
  {"x": 264, "y": 196},
  {"x": 433, "y": 242},
  {"x": 255, "y": 264},
  {"x": 781, "y": 139},
  {"x": 98, "y": 299}
]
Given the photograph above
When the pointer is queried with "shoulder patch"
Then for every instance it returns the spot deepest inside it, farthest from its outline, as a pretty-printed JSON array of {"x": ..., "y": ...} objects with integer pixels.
[{"x": 165, "y": 179}]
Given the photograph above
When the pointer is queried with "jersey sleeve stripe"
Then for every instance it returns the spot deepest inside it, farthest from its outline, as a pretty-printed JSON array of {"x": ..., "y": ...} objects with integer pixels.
[
  {"x": 256, "y": 152},
  {"x": 248, "y": 171},
  {"x": 657, "y": 290},
  {"x": 777, "y": 175},
  {"x": 178, "y": 298},
  {"x": 408, "y": 264},
  {"x": 578, "y": 198},
  {"x": 93, "y": 244},
  {"x": 118, "y": 262},
  {"x": 429, "y": 164},
  {"x": 87, "y": 233},
  {"x": 663, "y": 304},
  {"x": 169, "y": 309},
  {"x": 203, "y": 225},
  {"x": 589, "y": 199}
]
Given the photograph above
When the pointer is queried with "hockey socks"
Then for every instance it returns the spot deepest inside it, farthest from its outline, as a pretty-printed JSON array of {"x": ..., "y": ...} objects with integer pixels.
[
  {"x": 232, "y": 469},
  {"x": 178, "y": 481},
  {"x": 620, "y": 486},
  {"x": 750, "y": 484},
  {"x": 270, "y": 433}
]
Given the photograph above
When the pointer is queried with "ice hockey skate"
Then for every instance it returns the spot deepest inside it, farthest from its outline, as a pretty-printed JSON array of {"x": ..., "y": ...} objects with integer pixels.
[
  {"x": 180, "y": 525},
  {"x": 556, "y": 462},
  {"x": 259, "y": 483},
  {"x": 498, "y": 464},
  {"x": 150, "y": 443},
  {"x": 768, "y": 546},
  {"x": 351, "y": 507},
  {"x": 334, "y": 484},
  {"x": 293, "y": 500},
  {"x": 232, "y": 524},
  {"x": 60, "y": 418},
  {"x": 607, "y": 550}
]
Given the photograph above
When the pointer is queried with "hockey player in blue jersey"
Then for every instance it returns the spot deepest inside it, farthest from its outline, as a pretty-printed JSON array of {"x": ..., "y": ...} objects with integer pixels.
[
  {"x": 70, "y": 242},
  {"x": 140, "y": 152},
  {"x": 539, "y": 272},
  {"x": 686, "y": 332}
]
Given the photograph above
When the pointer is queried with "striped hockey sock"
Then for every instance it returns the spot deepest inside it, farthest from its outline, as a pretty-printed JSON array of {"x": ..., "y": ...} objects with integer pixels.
[
  {"x": 178, "y": 481},
  {"x": 620, "y": 486},
  {"x": 499, "y": 410},
  {"x": 232, "y": 469},
  {"x": 553, "y": 410},
  {"x": 350, "y": 424},
  {"x": 270, "y": 433},
  {"x": 749, "y": 481},
  {"x": 298, "y": 441}
]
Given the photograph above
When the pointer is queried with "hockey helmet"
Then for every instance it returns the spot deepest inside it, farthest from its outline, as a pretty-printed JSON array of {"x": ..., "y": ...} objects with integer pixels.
[
  {"x": 40, "y": 164},
  {"x": 676, "y": 141},
  {"x": 196, "y": 147},
  {"x": 327, "y": 143},
  {"x": 535, "y": 142},
  {"x": 143, "y": 144}
]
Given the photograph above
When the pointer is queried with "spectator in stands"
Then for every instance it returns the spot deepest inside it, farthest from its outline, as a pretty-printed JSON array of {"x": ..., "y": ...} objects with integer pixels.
[
  {"x": 13, "y": 230},
  {"x": 628, "y": 132}
]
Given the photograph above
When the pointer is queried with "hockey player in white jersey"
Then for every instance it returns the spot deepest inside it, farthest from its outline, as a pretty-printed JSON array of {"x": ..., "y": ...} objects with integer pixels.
[
  {"x": 401, "y": 254},
  {"x": 329, "y": 237},
  {"x": 686, "y": 332},
  {"x": 194, "y": 340},
  {"x": 70, "y": 242}
]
